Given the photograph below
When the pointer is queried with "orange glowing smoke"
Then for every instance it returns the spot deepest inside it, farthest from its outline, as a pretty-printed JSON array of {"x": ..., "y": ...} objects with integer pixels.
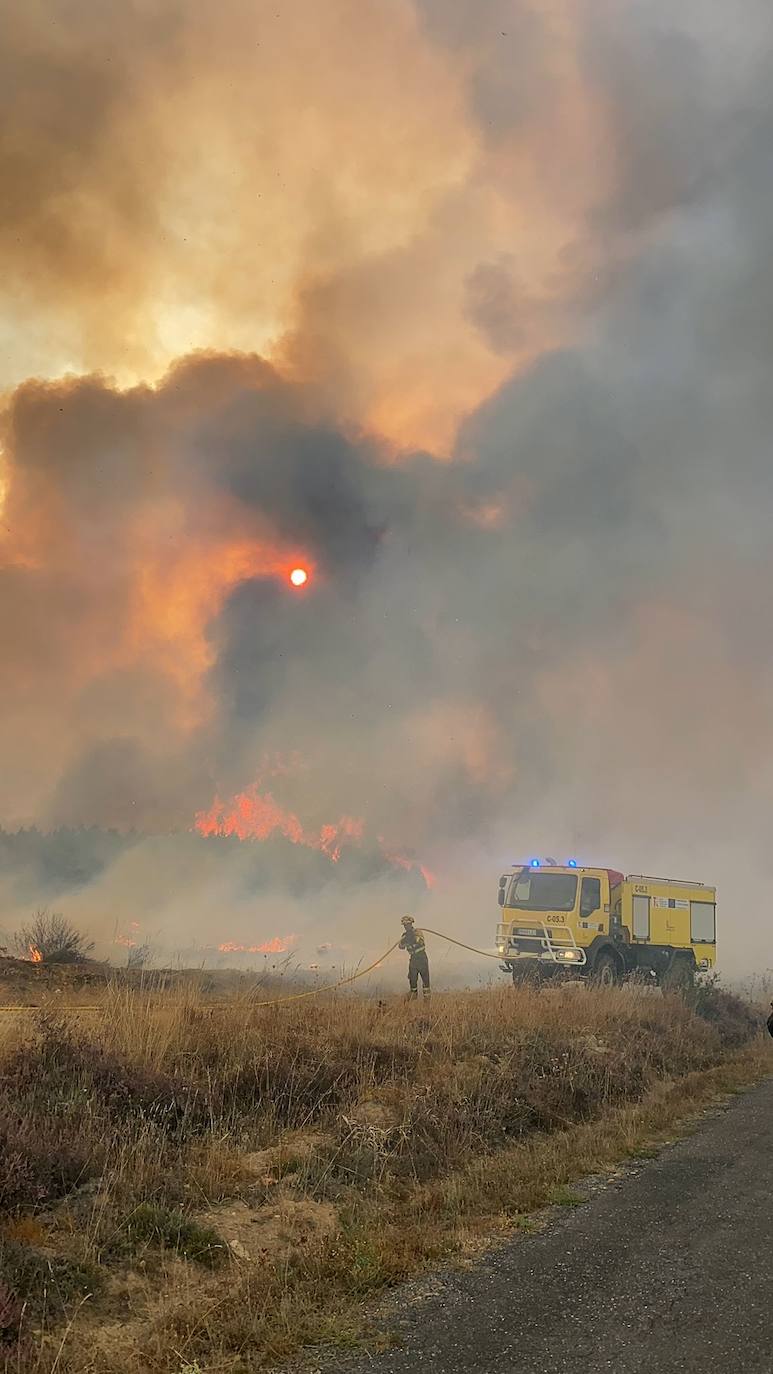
[
  {"x": 35, "y": 955},
  {"x": 180, "y": 588},
  {"x": 279, "y": 945}
]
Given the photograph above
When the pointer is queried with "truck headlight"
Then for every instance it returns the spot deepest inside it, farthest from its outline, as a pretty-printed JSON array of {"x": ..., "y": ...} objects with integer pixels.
[{"x": 501, "y": 949}]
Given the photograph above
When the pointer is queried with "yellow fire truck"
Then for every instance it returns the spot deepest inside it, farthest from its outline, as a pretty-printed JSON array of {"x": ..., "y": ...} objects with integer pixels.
[{"x": 604, "y": 925}]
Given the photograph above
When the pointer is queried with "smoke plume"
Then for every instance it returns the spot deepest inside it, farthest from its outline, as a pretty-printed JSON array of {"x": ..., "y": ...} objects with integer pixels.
[{"x": 464, "y": 310}]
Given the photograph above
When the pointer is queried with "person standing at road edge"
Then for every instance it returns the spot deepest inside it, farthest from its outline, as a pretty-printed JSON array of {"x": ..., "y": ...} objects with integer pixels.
[{"x": 418, "y": 963}]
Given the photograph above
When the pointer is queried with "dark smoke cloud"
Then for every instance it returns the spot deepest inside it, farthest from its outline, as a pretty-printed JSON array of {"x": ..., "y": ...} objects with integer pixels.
[{"x": 560, "y": 640}]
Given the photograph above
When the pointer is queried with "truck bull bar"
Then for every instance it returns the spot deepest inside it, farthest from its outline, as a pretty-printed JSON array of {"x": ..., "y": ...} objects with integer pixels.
[{"x": 553, "y": 944}]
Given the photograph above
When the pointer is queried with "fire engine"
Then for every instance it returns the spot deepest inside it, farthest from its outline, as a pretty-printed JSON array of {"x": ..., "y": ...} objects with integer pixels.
[{"x": 604, "y": 925}]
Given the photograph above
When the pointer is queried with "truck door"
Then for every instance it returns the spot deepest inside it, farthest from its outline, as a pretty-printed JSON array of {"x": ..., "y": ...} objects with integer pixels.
[{"x": 591, "y": 912}]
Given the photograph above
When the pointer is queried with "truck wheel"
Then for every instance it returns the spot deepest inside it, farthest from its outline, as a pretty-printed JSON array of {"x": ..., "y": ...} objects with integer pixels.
[
  {"x": 679, "y": 977},
  {"x": 606, "y": 971}
]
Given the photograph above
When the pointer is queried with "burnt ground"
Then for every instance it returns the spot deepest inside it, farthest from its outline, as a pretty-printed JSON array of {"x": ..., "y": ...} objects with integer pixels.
[{"x": 664, "y": 1268}]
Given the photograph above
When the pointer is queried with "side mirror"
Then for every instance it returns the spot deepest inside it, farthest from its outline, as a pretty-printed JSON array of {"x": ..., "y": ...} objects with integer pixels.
[{"x": 501, "y": 896}]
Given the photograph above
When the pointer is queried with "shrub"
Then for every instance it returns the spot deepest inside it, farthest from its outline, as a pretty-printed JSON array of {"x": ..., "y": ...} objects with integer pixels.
[
  {"x": 42, "y": 1282},
  {"x": 63, "y": 1071},
  {"x": 137, "y": 956},
  {"x": 39, "y": 1161},
  {"x": 68, "y": 1106},
  {"x": 152, "y": 1224},
  {"x": 734, "y": 1020},
  {"x": 51, "y": 936}
]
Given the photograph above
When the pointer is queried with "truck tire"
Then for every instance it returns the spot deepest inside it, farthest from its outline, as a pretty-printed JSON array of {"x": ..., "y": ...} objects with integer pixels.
[
  {"x": 606, "y": 970},
  {"x": 679, "y": 976}
]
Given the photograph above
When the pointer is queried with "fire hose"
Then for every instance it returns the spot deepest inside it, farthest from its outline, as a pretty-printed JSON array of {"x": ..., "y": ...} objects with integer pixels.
[
  {"x": 331, "y": 987},
  {"x": 485, "y": 953},
  {"x": 308, "y": 992}
]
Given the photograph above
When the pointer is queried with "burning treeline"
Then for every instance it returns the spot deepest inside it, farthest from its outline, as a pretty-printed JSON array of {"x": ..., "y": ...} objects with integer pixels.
[
  {"x": 255, "y": 815},
  {"x": 446, "y": 305}
]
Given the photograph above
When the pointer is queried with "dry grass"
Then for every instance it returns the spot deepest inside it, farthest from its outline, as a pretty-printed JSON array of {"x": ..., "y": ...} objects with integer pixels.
[{"x": 182, "y": 1182}]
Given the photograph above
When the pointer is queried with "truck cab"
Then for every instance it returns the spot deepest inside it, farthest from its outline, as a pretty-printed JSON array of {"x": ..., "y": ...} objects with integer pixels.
[{"x": 552, "y": 915}]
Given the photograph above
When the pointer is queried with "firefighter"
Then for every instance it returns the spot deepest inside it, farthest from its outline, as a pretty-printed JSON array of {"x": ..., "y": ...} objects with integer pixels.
[{"x": 418, "y": 963}]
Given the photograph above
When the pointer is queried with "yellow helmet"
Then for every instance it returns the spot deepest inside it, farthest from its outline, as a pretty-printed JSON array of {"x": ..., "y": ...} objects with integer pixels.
[{"x": 408, "y": 921}]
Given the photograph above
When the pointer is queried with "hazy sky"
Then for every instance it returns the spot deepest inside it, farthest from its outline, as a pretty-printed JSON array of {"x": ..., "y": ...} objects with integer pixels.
[{"x": 466, "y": 307}]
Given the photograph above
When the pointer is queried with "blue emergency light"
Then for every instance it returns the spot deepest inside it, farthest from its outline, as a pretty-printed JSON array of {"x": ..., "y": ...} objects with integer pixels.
[
  {"x": 534, "y": 863},
  {"x": 571, "y": 863}
]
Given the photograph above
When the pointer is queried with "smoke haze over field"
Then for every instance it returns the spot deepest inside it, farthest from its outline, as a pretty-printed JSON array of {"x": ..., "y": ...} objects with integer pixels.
[{"x": 464, "y": 307}]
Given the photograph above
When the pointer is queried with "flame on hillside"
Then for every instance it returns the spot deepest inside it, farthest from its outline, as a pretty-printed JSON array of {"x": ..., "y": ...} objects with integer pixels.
[
  {"x": 281, "y": 944},
  {"x": 36, "y": 956},
  {"x": 255, "y": 814},
  {"x": 130, "y": 940}
]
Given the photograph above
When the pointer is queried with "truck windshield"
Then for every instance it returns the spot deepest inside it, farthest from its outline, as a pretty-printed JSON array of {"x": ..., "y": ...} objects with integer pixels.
[{"x": 532, "y": 891}]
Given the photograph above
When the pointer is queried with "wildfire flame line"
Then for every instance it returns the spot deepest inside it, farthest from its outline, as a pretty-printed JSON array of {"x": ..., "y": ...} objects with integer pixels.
[
  {"x": 129, "y": 941},
  {"x": 256, "y": 815},
  {"x": 279, "y": 945}
]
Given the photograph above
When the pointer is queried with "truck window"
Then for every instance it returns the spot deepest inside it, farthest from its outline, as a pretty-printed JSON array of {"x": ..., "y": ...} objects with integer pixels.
[
  {"x": 590, "y": 898},
  {"x": 703, "y": 923},
  {"x": 535, "y": 891},
  {"x": 641, "y": 918}
]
